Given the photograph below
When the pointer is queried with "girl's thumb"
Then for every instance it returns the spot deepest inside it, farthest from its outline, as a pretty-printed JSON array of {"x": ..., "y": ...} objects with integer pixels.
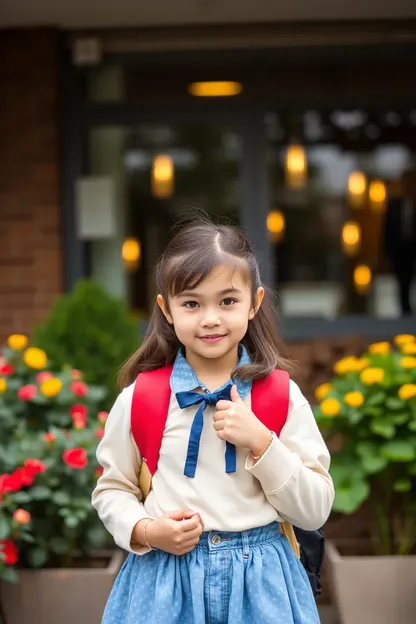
[{"x": 235, "y": 397}]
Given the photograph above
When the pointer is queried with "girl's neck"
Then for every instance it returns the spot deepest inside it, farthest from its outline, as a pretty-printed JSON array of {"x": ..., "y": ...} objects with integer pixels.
[{"x": 213, "y": 372}]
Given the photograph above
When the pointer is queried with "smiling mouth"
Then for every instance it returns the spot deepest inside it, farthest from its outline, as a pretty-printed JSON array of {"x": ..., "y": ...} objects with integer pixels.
[{"x": 212, "y": 338}]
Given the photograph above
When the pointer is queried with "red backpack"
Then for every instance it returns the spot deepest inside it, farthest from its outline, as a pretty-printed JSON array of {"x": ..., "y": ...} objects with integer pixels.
[{"x": 149, "y": 411}]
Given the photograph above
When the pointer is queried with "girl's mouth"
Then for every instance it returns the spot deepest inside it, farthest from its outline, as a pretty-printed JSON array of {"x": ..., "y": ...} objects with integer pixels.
[{"x": 211, "y": 339}]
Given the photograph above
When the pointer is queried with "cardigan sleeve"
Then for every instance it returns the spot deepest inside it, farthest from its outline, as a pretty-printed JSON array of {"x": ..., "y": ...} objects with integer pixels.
[
  {"x": 294, "y": 470},
  {"x": 117, "y": 496}
]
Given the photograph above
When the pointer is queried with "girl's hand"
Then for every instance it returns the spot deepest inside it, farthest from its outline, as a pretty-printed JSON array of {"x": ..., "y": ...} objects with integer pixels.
[
  {"x": 234, "y": 422},
  {"x": 176, "y": 533}
]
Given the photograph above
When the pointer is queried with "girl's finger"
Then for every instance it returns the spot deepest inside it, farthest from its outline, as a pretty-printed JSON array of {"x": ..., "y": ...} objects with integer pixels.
[
  {"x": 223, "y": 405},
  {"x": 219, "y": 416},
  {"x": 219, "y": 425}
]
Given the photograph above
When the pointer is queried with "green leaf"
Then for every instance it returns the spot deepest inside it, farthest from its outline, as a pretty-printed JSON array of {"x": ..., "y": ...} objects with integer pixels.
[
  {"x": 349, "y": 499},
  {"x": 59, "y": 545},
  {"x": 382, "y": 428},
  {"x": 71, "y": 522},
  {"x": 374, "y": 412},
  {"x": 37, "y": 557},
  {"x": 4, "y": 528},
  {"x": 366, "y": 449},
  {"x": 376, "y": 399},
  {"x": 399, "y": 419},
  {"x": 412, "y": 425},
  {"x": 398, "y": 451},
  {"x": 402, "y": 485},
  {"x": 61, "y": 498},
  {"x": 40, "y": 492},
  {"x": 355, "y": 416},
  {"x": 395, "y": 403},
  {"x": 22, "y": 498},
  {"x": 374, "y": 464},
  {"x": 8, "y": 574}
]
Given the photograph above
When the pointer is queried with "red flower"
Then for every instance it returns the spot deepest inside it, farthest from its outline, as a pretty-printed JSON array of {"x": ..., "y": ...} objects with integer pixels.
[
  {"x": 43, "y": 376},
  {"x": 10, "y": 551},
  {"x": 79, "y": 421},
  {"x": 79, "y": 388},
  {"x": 99, "y": 433},
  {"x": 102, "y": 417},
  {"x": 49, "y": 437},
  {"x": 6, "y": 369},
  {"x": 99, "y": 471},
  {"x": 35, "y": 466},
  {"x": 76, "y": 458},
  {"x": 21, "y": 477},
  {"x": 78, "y": 410},
  {"x": 26, "y": 393},
  {"x": 5, "y": 484}
]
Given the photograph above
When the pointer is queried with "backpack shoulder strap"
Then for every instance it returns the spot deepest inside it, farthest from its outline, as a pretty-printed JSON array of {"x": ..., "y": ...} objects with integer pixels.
[
  {"x": 149, "y": 411},
  {"x": 270, "y": 400}
]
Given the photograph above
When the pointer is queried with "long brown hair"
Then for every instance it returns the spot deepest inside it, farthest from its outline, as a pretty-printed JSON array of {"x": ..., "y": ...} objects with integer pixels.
[{"x": 197, "y": 247}]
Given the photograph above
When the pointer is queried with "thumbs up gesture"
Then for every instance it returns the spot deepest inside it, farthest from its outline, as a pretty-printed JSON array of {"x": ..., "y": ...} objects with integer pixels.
[{"x": 236, "y": 423}]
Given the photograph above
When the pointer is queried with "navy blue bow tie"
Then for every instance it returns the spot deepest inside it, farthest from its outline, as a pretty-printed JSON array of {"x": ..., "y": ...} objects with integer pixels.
[{"x": 186, "y": 399}]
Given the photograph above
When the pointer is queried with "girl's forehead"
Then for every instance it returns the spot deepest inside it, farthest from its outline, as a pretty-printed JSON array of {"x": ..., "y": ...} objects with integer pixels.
[{"x": 221, "y": 278}]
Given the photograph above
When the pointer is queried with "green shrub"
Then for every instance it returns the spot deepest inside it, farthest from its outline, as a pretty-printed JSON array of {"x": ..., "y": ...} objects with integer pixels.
[{"x": 90, "y": 330}]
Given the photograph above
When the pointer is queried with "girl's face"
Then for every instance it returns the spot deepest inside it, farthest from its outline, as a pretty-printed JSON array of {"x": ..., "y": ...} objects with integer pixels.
[{"x": 212, "y": 319}]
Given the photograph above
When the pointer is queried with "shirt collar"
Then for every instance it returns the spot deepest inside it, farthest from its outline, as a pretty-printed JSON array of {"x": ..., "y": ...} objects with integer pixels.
[{"x": 184, "y": 378}]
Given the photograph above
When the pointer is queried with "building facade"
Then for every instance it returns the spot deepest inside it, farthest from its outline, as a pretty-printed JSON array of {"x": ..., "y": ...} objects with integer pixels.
[{"x": 299, "y": 131}]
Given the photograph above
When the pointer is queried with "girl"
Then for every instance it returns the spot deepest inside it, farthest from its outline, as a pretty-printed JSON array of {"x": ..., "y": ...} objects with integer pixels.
[{"x": 205, "y": 545}]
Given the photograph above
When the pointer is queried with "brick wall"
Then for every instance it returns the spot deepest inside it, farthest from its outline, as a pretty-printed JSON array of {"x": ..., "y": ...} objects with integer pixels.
[{"x": 30, "y": 222}]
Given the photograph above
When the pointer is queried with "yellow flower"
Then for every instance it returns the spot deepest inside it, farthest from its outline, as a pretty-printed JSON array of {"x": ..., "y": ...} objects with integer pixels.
[
  {"x": 51, "y": 387},
  {"x": 408, "y": 362},
  {"x": 409, "y": 348},
  {"x": 322, "y": 390},
  {"x": 372, "y": 376},
  {"x": 379, "y": 348},
  {"x": 354, "y": 399},
  {"x": 17, "y": 342},
  {"x": 403, "y": 338},
  {"x": 330, "y": 407},
  {"x": 407, "y": 391},
  {"x": 350, "y": 364},
  {"x": 35, "y": 358},
  {"x": 3, "y": 385}
]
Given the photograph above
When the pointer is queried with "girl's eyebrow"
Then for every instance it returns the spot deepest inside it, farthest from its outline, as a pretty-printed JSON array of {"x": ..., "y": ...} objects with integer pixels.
[{"x": 222, "y": 293}]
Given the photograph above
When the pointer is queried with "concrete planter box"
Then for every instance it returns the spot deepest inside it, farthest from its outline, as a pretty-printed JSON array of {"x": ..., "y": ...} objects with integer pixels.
[
  {"x": 373, "y": 589},
  {"x": 64, "y": 595}
]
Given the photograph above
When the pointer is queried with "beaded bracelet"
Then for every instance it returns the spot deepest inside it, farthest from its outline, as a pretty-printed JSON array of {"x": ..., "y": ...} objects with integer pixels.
[{"x": 257, "y": 457}]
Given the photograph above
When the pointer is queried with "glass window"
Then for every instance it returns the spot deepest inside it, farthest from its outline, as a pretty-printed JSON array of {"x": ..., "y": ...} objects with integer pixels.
[
  {"x": 156, "y": 172},
  {"x": 334, "y": 175}
]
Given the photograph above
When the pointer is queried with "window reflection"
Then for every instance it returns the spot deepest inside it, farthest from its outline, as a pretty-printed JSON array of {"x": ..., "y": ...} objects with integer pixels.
[{"x": 335, "y": 218}]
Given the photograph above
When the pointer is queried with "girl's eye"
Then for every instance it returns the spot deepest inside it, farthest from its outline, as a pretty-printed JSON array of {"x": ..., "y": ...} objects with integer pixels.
[
  {"x": 190, "y": 304},
  {"x": 229, "y": 301}
]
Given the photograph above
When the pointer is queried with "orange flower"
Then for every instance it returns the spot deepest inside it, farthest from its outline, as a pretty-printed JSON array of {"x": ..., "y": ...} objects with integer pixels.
[{"x": 21, "y": 516}]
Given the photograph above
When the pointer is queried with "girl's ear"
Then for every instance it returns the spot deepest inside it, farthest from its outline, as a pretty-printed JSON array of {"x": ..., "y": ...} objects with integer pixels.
[
  {"x": 162, "y": 305},
  {"x": 258, "y": 300}
]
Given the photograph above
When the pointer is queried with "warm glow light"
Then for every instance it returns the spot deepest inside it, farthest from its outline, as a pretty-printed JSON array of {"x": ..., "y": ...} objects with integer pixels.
[
  {"x": 162, "y": 176},
  {"x": 131, "y": 252},
  {"x": 362, "y": 278},
  {"x": 351, "y": 238},
  {"x": 357, "y": 185},
  {"x": 219, "y": 88},
  {"x": 377, "y": 194},
  {"x": 296, "y": 166},
  {"x": 276, "y": 225}
]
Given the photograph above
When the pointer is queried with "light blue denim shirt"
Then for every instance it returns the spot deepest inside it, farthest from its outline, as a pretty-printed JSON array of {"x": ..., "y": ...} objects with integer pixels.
[{"x": 184, "y": 378}]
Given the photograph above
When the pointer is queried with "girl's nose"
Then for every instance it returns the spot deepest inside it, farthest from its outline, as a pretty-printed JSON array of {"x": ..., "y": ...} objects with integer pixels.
[{"x": 211, "y": 320}]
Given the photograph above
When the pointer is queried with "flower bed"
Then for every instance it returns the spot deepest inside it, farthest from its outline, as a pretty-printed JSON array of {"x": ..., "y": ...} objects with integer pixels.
[{"x": 49, "y": 429}]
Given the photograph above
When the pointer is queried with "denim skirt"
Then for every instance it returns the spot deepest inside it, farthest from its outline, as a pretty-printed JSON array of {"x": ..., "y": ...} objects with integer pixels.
[{"x": 248, "y": 577}]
